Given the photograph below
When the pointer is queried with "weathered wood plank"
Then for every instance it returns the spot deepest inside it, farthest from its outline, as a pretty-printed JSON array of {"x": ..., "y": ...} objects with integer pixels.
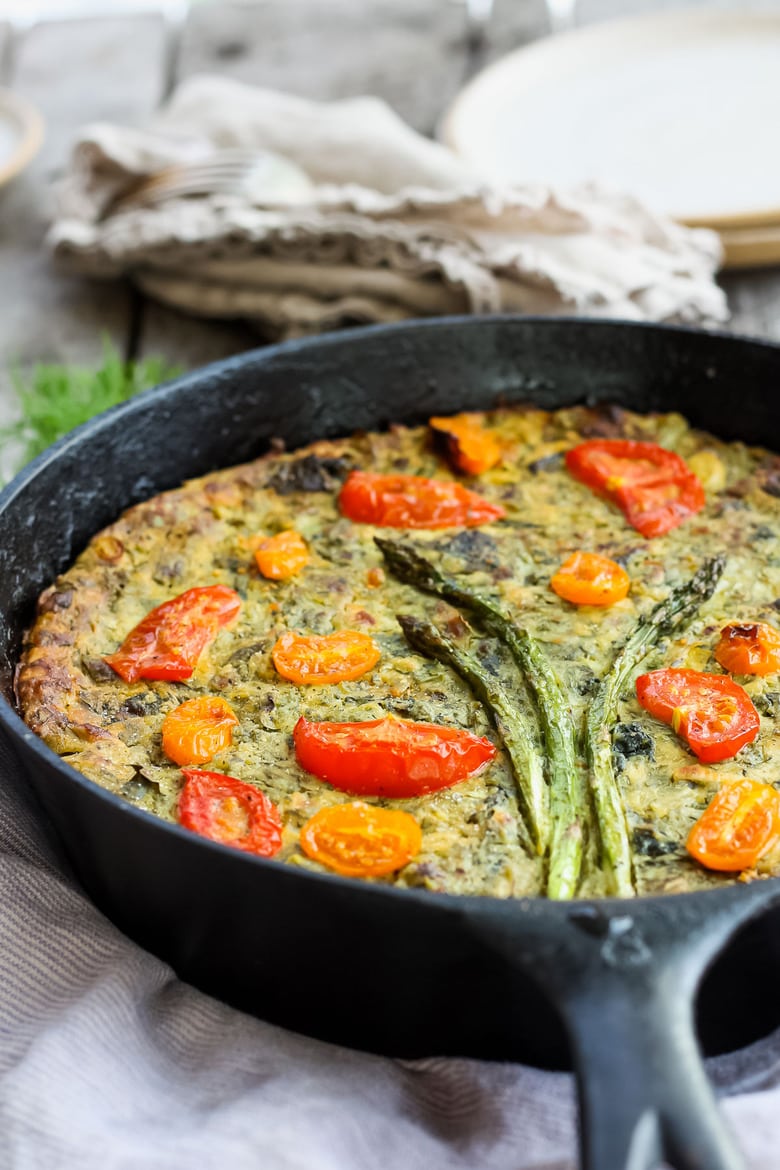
[
  {"x": 754, "y": 297},
  {"x": 412, "y": 54},
  {"x": 74, "y": 72},
  {"x": 589, "y": 11},
  {"x": 190, "y": 341},
  {"x": 513, "y": 23},
  {"x": 5, "y": 44}
]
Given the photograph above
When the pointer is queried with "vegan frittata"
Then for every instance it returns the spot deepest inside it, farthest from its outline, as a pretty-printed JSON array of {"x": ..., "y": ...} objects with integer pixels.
[{"x": 512, "y": 653}]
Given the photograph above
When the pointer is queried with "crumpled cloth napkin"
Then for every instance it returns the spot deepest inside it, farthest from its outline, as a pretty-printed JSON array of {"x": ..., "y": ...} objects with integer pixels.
[
  {"x": 109, "y": 1062},
  {"x": 357, "y": 218}
]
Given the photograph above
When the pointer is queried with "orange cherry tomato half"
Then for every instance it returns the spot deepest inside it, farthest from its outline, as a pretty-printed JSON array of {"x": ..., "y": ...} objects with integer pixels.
[
  {"x": 168, "y": 642},
  {"x": 740, "y": 824},
  {"x": 389, "y": 757},
  {"x": 470, "y": 448},
  {"x": 318, "y": 659},
  {"x": 589, "y": 579},
  {"x": 411, "y": 501},
  {"x": 357, "y": 840},
  {"x": 229, "y": 811},
  {"x": 654, "y": 488},
  {"x": 281, "y": 556},
  {"x": 749, "y": 648},
  {"x": 195, "y": 731},
  {"x": 710, "y": 711}
]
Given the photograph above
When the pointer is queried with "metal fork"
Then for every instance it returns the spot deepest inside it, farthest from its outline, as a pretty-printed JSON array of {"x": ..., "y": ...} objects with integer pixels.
[{"x": 252, "y": 173}]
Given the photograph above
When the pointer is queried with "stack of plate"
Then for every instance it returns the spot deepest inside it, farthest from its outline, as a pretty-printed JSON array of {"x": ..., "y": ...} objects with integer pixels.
[{"x": 681, "y": 109}]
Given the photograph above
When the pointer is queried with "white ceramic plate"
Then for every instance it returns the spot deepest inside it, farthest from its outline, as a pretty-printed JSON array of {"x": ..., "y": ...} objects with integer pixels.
[
  {"x": 682, "y": 109},
  {"x": 21, "y": 134}
]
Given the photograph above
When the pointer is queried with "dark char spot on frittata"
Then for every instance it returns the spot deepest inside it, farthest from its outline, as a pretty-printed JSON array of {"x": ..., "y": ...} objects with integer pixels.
[
  {"x": 147, "y": 703},
  {"x": 771, "y": 482},
  {"x": 609, "y": 422},
  {"x": 768, "y": 703},
  {"x": 309, "y": 474},
  {"x": 647, "y": 843},
  {"x": 488, "y": 658},
  {"x": 630, "y": 739},
  {"x": 475, "y": 548},
  {"x": 588, "y": 683},
  {"x": 139, "y": 787},
  {"x": 56, "y": 600},
  {"x": 547, "y": 463},
  {"x": 98, "y": 670}
]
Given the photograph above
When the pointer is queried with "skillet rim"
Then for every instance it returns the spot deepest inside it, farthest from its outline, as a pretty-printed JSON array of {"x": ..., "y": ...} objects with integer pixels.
[{"x": 17, "y": 729}]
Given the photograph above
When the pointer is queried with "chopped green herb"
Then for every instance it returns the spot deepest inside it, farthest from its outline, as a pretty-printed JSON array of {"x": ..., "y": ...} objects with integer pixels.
[{"x": 53, "y": 399}]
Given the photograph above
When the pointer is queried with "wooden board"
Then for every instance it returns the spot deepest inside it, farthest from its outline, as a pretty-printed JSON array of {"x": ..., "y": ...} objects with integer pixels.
[
  {"x": 410, "y": 53},
  {"x": 114, "y": 70},
  {"x": 414, "y": 53},
  {"x": 754, "y": 299},
  {"x": 5, "y": 45},
  {"x": 513, "y": 23}
]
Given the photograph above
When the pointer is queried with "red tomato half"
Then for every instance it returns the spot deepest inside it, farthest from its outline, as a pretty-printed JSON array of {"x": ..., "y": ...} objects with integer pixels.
[
  {"x": 710, "y": 711},
  {"x": 229, "y": 811},
  {"x": 411, "y": 501},
  {"x": 168, "y": 642},
  {"x": 654, "y": 488},
  {"x": 389, "y": 757}
]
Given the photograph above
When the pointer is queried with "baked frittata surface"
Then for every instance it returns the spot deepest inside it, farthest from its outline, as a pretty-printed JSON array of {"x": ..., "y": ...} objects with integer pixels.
[{"x": 474, "y": 839}]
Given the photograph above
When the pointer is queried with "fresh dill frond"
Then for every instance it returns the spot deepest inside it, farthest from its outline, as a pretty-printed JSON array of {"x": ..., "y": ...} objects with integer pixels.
[{"x": 53, "y": 399}]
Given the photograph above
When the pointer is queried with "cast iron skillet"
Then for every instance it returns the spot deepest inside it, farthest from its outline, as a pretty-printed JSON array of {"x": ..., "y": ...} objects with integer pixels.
[{"x": 408, "y": 972}]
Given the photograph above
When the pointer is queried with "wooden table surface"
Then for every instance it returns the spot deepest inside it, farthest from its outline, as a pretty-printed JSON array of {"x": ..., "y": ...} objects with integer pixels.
[{"x": 414, "y": 53}]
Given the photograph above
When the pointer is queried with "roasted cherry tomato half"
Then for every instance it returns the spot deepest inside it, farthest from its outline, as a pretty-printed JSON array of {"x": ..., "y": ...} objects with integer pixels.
[
  {"x": 360, "y": 841},
  {"x": 710, "y": 711},
  {"x": 589, "y": 579},
  {"x": 389, "y": 757},
  {"x": 168, "y": 642},
  {"x": 739, "y": 826},
  {"x": 749, "y": 648},
  {"x": 411, "y": 501},
  {"x": 317, "y": 659},
  {"x": 281, "y": 556},
  {"x": 196, "y": 731},
  {"x": 654, "y": 488},
  {"x": 470, "y": 448},
  {"x": 229, "y": 811}
]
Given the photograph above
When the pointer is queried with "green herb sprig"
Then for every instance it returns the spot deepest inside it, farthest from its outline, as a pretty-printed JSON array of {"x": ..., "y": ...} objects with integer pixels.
[{"x": 53, "y": 399}]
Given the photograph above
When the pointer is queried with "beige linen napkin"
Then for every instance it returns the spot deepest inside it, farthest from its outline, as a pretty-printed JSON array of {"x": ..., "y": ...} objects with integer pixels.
[{"x": 354, "y": 217}]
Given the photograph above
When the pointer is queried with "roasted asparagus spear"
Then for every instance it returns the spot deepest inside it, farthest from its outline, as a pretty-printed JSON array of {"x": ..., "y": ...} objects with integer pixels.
[
  {"x": 525, "y": 757},
  {"x": 567, "y": 798},
  {"x": 669, "y": 615}
]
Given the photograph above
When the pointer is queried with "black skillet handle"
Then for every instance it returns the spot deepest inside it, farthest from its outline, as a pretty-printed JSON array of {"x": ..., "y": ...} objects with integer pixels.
[
  {"x": 643, "y": 1093},
  {"x": 629, "y": 1008}
]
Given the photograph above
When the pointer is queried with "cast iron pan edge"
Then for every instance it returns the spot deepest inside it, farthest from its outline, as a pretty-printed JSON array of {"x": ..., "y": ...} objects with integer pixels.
[{"x": 462, "y": 974}]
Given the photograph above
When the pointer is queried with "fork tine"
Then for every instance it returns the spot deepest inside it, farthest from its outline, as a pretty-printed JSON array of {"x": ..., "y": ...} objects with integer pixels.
[
  {"x": 163, "y": 178},
  {"x": 164, "y": 186},
  {"x": 170, "y": 193},
  {"x": 222, "y": 170}
]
